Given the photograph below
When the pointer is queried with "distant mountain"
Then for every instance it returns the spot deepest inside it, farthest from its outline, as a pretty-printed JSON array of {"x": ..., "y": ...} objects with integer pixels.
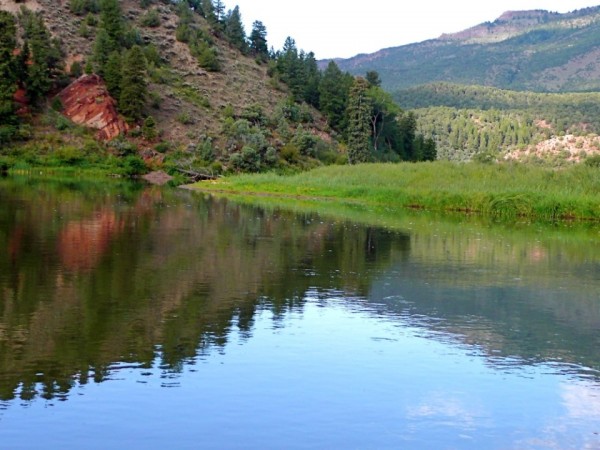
[{"x": 521, "y": 50}]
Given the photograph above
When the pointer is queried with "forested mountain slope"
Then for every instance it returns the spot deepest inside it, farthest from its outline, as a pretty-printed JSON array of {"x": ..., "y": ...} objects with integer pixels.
[
  {"x": 524, "y": 50},
  {"x": 468, "y": 121}
]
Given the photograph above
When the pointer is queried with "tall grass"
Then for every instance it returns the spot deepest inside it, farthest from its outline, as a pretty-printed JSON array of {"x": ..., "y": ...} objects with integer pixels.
[{"x": 503, "y": 191}]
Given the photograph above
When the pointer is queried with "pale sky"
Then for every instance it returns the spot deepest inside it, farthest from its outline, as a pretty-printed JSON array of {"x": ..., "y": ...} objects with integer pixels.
[{"x": 345, "y": 28}]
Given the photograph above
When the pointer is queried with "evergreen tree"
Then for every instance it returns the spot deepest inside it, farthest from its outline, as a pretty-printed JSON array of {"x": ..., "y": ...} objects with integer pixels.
[
  {"x": 408, "y": 125},
  {"x": 219, "y": 10},
  {"x": 112, "y": 74},
  {"x": 103, "y": 47},
  {"x": 333, "y": 95},
  {"x": 134, "y": 88},
  {"x": 234, "y": 30},
  {"x": 45, "y": 57},
  {"x": 8, "y": 75},
  {"x": 111, "y": 20},
  {"x": 208, "y": 11},
  {"x": 149, "y": 130},
  {"x": 312, "y": 80},
  {"x": 258, "y": 40},
  {"x": 373, "y": 78},
  {"x": 291, "y": 68},
  {"x": 359, "y": 122}
]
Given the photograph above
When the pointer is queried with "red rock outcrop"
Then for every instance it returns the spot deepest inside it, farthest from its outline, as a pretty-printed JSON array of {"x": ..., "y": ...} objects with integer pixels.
[{"x": 87, "y": 102}]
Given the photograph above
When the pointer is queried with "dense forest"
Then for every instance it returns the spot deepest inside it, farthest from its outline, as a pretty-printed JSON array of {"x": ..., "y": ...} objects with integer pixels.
[
  {"x": 362, "y": 122},
  {"x": 467, "y": 121}
]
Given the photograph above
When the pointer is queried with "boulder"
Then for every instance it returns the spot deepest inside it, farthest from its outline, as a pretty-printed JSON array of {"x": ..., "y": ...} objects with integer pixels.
[{"x": 87, "y": 102}]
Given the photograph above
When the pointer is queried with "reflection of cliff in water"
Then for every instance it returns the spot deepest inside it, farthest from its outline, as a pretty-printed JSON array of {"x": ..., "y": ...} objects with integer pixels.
[{"x": 164, "y": 274}]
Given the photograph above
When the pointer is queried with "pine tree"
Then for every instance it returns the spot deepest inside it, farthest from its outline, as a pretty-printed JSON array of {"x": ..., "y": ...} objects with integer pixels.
[
  {"x": 312, "y": 76},
  {"x": 234, "y": 30},
  {"x": 8, "y": 76},
  {"x": 45, "y": 56},
  {"x": 103, "y": 47},
  {"x": 111, "y": 20},
  {"x": 258, "y": 40},
  {"x": 333, "y": 96},
  {"x": 134, "y": 88},
  {"x": 359, "y": 122},
  {"x": 112, "y": 74}
]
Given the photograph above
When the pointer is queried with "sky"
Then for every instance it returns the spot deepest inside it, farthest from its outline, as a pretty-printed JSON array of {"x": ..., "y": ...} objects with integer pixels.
[{"x": 335, "y": 28}]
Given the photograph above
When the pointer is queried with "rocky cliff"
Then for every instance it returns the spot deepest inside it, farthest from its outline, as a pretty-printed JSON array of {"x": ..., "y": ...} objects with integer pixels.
[{"x": 87, "y": 102}]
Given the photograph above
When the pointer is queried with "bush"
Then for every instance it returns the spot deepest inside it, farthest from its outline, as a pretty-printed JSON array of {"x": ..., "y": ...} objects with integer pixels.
[
  {"x": 151, "y": 19},
  {"x": 593, "y": 161},
  {"x": 132, "y": 165},
  {"x": 162, "y": 147},
  {"x": 248, "y": 160},
  {"x": 149, "y": 131}
]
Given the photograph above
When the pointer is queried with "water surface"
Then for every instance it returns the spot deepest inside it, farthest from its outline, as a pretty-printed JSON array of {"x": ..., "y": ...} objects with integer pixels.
[{"x": 144, "y": 317}]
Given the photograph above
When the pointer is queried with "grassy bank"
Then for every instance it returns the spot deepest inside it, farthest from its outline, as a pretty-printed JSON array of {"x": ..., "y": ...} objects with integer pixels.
[{"x": 500, "y": 191}]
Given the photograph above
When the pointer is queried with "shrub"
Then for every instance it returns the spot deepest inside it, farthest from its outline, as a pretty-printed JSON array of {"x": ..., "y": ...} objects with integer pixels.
[
  {"x": 151, "y": 19},
  {"x": 132, "y": 165},
  {"x": 593, "y": 161},
  {"x": 248, "y": 160},
  {"x": 149, "y": 131}
]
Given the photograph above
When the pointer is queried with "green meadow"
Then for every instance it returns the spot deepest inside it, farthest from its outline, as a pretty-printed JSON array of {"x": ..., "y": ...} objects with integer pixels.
[{"x": 502, "y": 191}]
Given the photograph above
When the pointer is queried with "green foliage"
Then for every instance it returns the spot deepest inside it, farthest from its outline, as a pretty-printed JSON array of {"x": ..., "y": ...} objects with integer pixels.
[
  {"x": 56, "y": 104},
  {"x": 134, "y": 89},
  {"x": 111, "y": 21},
  {"x": 258, "y": 40},
  {"x": 207, "y": 56},
  {"x": 247, "y": 160},
  {"x": 305, "y": 142},
  {"x": 76, "y": 70},
  {"x": 149, "y": 131},
  {"x": 593, "y": 161},
  {"x": 185, "y": 118},
  {"x": 46, "y": 56},
  {"x": 133, "y": 165},
  {"x": 151, "y": 19},
  {"x": 8, "y": 75},
  {"x": 112, "y": 74},
  {"x": 359, "y": 123},
  {"x": 334, "y": 89},
  {"x": 234, "y": 30},
  {"x": 81, "y": 7}
]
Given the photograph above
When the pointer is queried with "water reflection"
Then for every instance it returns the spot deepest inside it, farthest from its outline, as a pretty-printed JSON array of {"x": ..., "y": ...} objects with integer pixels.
[{"x": 99, "y": 279}]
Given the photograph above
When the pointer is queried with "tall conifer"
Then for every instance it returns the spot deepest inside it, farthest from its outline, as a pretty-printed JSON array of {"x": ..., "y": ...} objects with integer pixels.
[{"x": 134, "y": 89}]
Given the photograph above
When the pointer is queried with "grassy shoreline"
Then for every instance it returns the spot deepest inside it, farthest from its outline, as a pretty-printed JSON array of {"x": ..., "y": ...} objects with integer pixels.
[{"x": 504, "y": 191}]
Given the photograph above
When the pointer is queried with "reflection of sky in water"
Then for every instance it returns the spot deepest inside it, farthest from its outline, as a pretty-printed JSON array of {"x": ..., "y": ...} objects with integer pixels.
[{"x": 334, "y": 375}]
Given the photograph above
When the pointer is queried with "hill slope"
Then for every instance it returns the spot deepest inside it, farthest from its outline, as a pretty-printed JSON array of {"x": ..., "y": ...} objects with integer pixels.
[
  {"x": 202, "y": 114},
  {"x": 524, "y": 50}
]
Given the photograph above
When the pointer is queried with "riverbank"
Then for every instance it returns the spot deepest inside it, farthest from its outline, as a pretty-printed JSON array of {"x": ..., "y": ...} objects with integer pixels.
[{"x": 504, "y": 191}]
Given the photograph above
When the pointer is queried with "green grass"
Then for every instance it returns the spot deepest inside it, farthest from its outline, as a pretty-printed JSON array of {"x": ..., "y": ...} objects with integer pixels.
[{"x": 505, "y": 191}]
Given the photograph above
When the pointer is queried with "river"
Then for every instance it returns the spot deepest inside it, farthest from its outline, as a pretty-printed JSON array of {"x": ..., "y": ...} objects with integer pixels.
[{"x": 134, "y": 316}]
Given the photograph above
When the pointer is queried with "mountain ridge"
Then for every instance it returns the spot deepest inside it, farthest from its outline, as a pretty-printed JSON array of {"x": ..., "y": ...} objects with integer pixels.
[{"x": 535, "y": 50}]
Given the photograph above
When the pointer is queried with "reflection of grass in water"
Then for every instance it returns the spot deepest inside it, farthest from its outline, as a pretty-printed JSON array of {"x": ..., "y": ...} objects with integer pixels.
[
  {"x": 500, "y": 191},
  {"x": 579, "y": 241}
]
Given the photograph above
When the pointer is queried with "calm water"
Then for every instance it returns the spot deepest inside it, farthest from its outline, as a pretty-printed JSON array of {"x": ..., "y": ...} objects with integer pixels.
[{"x": 143, "y": 317}]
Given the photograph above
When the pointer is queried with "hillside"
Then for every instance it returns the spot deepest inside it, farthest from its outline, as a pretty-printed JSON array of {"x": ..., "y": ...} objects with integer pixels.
[
  {"x": 181, "y": 87},
  {"x": 213, "y": 104},
  {"x": 521, "y": 50},
  {"x": 478, "y": 120}
]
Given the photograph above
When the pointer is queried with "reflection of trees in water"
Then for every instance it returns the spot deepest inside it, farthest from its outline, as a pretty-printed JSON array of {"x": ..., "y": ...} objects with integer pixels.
[
  {"x": 165, "y": 274},
  {"x": 94, "y": 277}
]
